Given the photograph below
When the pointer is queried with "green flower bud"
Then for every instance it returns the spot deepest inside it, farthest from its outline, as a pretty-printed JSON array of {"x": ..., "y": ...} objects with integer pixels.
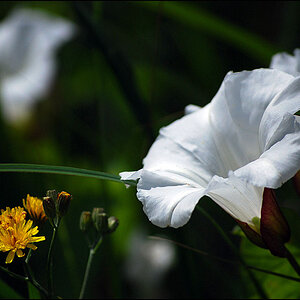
[
  {"x": 63, "y": 202},
  {"x": 113, "y": 223},
  {"x": 100, "y": 219},
  {"x": 85, "y": 220}
]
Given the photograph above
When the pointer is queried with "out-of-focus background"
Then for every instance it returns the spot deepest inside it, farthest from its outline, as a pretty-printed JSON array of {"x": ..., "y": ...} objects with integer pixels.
[{"x": 88, "y": 85}]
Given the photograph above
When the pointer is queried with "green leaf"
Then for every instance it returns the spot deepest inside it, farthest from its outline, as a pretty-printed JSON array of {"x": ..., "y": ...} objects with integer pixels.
[
  {"x": 33, "y": 292},
  {"x": 6, "y": 292},
  {"x": 200, "y": 19},
  {"x": 275, "y": 287},
  {"x": 33, "y": 168}
]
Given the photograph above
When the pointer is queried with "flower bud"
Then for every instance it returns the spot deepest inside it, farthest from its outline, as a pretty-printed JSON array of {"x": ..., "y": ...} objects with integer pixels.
[
  {"x": 296, "y": 181},
  {"x": 49, "y": 207},
  {"x": 85, "y": 220},
  {"x": 100, "y": 219},
  {"x": 113, "y": 223},
  {"x": 274, "y": 228},
  {"x": 63, "y": 202},
  {"x": 52, "y": 194}
]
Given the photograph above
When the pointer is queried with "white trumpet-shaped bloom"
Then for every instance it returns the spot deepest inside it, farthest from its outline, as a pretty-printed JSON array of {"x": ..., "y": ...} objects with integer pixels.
[
  {"x": 245, "y": 139},
  {"x": 28, "y": 43}
]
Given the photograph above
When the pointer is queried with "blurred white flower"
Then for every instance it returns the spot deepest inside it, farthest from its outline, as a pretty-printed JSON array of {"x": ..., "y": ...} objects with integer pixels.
[
  {"x": 28, "y": 42},
  {"x": 286, "y": 62},
  {"x": 147, "y": 263},
  {"x": 246, "y": 139}
]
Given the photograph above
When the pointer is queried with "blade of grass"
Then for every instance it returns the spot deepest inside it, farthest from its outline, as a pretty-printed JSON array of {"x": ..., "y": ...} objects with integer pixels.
[
  {"x": 62, "y": 170},
  {"x": 224, "y": 260}
]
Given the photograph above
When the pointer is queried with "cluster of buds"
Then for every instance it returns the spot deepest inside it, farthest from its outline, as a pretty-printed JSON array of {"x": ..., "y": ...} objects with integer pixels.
[
  {"x": 95, "y": 224},
  {"x": 56, "y": 205}
]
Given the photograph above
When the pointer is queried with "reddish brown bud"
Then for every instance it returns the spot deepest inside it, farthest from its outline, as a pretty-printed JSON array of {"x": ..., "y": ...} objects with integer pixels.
[
  {"x": 274, "y": 228},
  {"x": 296, "y": 181}
]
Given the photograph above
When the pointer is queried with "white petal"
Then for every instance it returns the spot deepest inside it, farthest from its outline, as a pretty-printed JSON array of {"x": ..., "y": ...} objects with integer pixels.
[
  {"x": 165, "y": 202},
  {"x": 287, "y": 63},
  {"x": 241, "y": 200},
  {"x": 191, "y": 108},
  {"x": 194, "y": 137},
  {"x": 236, "y": 113},
  {"x": 279, "y": 137},
  {"x": 130, "y": 175},
  {"x": 248, "y": 94},
  {"x": 276, "y": 121},
  {"x": 276, "y": 165}
]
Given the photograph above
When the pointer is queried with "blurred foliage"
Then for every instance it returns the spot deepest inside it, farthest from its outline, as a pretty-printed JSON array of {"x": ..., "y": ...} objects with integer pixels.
[{"x": 131, "y": 69}]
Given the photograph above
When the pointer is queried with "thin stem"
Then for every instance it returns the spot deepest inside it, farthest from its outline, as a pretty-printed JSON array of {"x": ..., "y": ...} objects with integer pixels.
[
  {"x": 231, "y": 245},
  {"x": 30, "y": 276},
  {"x": 292, "y": 261},
  {"x": 88, "y": 267},
  {"x": 50, "y": 261},
  {"x": 14, "y": 275},
  {"x": 225, "y": 260}
]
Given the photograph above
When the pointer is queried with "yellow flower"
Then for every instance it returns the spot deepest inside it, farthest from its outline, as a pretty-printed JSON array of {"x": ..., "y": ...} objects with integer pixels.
[
  {"x": 10, "y": 216},
  {"x": 16, "y": 233},
  {"x": 34, "y": 207}
]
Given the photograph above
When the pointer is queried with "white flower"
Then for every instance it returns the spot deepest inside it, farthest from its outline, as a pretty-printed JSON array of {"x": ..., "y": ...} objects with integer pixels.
[
  {"x": 28, "y": 42},
  {"x": 246, "y": 139},
  {"x": 286, "y": 62}
]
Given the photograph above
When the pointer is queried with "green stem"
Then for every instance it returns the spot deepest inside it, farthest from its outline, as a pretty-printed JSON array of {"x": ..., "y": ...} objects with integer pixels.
[
  {"x": 14, "y": 275},
  {"x": 231, "y": 245},
  {"x": 225, "y": 260},
  {"x": 30, "y": 276},
  {"x": 292, "y": 261},
  {"x": 50, "y": 261},
  {"x": 88, "y": 267}
]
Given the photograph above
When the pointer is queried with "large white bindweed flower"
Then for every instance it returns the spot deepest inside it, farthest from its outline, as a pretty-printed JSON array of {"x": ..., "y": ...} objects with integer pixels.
[
  {"x": 28, "y": 42},
  {"x": 246, "y": 139}
]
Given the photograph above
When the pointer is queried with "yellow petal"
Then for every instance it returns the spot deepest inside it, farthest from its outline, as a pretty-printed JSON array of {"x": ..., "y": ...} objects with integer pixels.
[
  {"x": 33, "y": 247},
  {"x": 10, "y": 257},
  {"x": 20, "y": 253}
]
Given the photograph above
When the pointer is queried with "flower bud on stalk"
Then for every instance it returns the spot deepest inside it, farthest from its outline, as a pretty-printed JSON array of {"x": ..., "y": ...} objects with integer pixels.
[
  {"x": 100, "y": 220},
  {"x": 85, "y": 221},
  {"x": 49, "y": 207},
  {"x": 63, "y": 202},
  {"x": 113, "y": 223}
]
